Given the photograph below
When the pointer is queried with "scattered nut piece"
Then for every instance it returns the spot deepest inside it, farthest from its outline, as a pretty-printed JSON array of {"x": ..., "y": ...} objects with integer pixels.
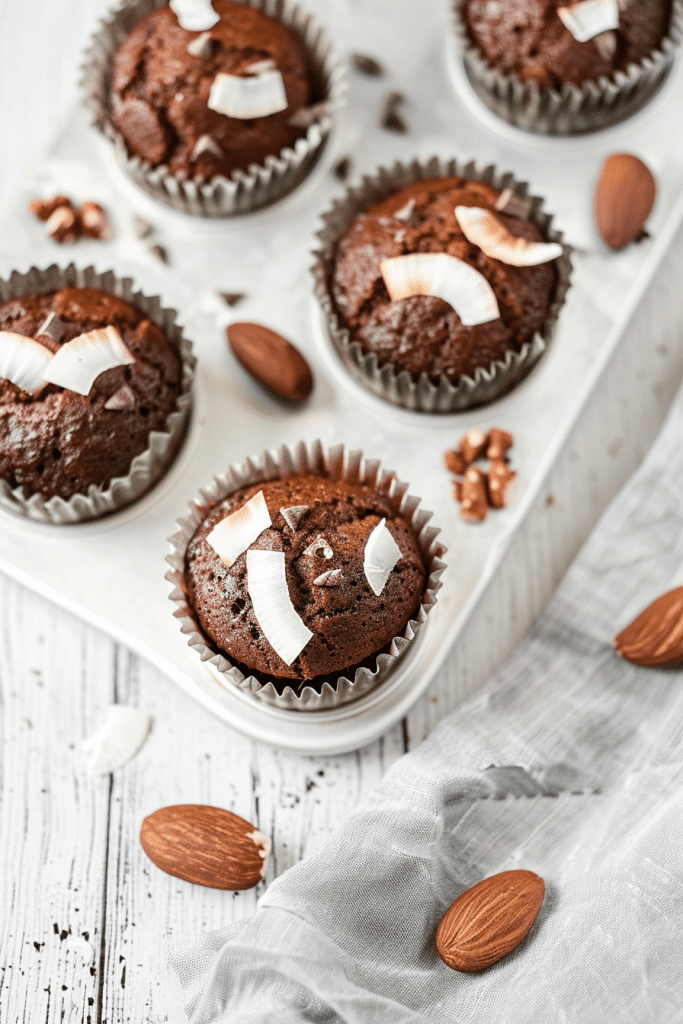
[
  {"x": 501, "y": 480},
  {"x": 342, "y": 168},
  {"x": 499, "y": 443},
  {"x": 457, "y": 489},
  {"x": 44, "y": 208},
  {"x": 391, "y": 119},
  {"x": 624, "y": 196},
  {"x": 474, "y": 503},
  {"x": 655, "y": 637},
  {"x": 366, "y": 65},
  {"x": 473, "y": 444},
  {"x": 489, "y": 920},
  {"x": 159, "y": 252},
  {"x": 62, "y": 225},
  {"x": 455, "y": 462},
  {"x": 93, "y": 221}
]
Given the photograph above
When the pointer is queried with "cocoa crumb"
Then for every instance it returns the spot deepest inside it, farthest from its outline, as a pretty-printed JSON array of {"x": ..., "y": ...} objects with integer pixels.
[
  {"x": 391, "y": 120},
  {"x": 366, "y": 65},
  {"x": 342, "y": 168}
]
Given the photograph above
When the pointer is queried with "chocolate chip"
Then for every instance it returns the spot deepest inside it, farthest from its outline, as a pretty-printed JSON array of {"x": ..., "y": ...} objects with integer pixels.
[
  {"x": 63, "y": 225},
  {"x": 513, "y": 205},
  {"x": 366, "y": 65},
  {"x": 159, "y": 252},
  {"x": 205, "y": 146},
  {"x": 232, "y": 298},
  {"x": 391, "y": 119},
  {"x": 202, "y": 46},
  {"x": 53, "y": 327},
  {"x": 342, "y": 168}
]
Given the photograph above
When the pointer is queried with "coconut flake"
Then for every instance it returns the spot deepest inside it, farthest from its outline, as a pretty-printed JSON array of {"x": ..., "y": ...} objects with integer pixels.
[
  {"x": 54, "y": 327},
  {"x": 282, "y": 627},
  {"x": 119, "y": 739},
  {"x": 381, "y": 555},
  {"x": 23, "y": 361},
  {"x": 292, "y": 515},
  {"x": 482, "y": 228},
  {"x": 406, "y": 211},
  {"x": 331, "y": 578},
  {"x": 122, "y": 400},
  {"x": 319, "y": 548},
  {"x": 450, "y": 279},
  {"x": 205, "y": 145},
  {"x": 202, "y": 46},
  {"x": 194, "y": 15},
  {"x": 244, "y": 98},
  {"x": 236, "y": 532},
  {"x": 589, "y": 18},
  {"x": 80, "y": 362}
]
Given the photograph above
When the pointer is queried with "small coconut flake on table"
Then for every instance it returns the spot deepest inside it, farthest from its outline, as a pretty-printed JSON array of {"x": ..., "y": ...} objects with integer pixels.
[
  {"x": 194, "y": 15},
  {"x": 23, "y": 361},
  {"x": 78, "y": 364},
  {"x": 446, "y": 277},
  {"x": 245, "y": 98},
  {"x": 380, "y": 556},
  {"x": 282, "y": 626},
  {"x": 589, "y": 18},
  {"x": 482, "y": 228},
  {"x": 123, "y": 733},
  {"x": 236, "y": 532}
]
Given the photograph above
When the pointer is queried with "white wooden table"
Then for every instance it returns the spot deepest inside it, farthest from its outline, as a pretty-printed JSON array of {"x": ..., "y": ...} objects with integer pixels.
[{"x": 85, "y": 919}]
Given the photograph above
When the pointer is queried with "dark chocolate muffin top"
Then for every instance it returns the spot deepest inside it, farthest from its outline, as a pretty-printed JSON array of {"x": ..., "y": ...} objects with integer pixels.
[
  {"x": 59, "y": 442},
  {"x": 160, "y": 90},
  {"x": 325, "y": 577},
  {"x": 423, "y": 333},
  {"x": 527, "y": 39}
]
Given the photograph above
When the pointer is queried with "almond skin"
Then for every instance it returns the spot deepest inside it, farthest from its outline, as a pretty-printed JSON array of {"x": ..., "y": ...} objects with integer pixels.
[
  {"x": 624, "y": 196},
  {"x": 205, "y": 845},
  {"x": 272, "y": 360},
  {"x": 489, "y": 920},
  {"x": 655, "y": 638}
]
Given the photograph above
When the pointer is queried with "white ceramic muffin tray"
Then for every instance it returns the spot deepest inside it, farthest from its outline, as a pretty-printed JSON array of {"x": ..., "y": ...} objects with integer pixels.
[{"x": 111, "y": 572}]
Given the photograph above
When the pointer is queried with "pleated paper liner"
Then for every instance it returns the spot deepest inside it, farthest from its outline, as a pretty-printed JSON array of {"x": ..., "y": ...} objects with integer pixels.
[
  {"x": 243, "y": 191},
  {"x": 570, "y": 109},
  {"x": 148, "y": 467},
  {"x": 335, "y": 464},
  {"x": 422, "y": 394}
]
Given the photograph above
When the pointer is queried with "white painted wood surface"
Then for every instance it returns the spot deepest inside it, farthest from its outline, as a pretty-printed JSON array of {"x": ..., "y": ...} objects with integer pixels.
[{"x": 86, "y": 920}]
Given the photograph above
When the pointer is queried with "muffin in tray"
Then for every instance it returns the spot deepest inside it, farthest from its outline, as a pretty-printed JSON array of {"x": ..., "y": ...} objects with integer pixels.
[
  {"x": 213, "y": 108},
  {"x": 443, "y": 294},
  {"x": 296, "y": 582},
  {"x": 567, "y": 68},
  {"x": 93, "y": 397}
]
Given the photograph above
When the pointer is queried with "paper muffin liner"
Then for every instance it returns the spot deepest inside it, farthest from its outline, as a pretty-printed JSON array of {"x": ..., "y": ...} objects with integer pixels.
[
  {"x": 571, "y": 109},
  {"x": 421, "y": 394},
  {"x": 244, "y": 191},
  {"x": 335, "y": 464},
  {"x": 147, "y": 467}
]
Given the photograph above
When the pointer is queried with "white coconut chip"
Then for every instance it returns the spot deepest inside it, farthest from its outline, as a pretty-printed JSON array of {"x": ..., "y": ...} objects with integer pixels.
[
  {"x": 589, "y": 18},
  {"x": 194, "y": 15},
  {"x": 23, "y": 361},
  {"x": 282, "y": 627},
  {"x": 380, "y": 556},
  {"x": 236, "y": 532},
  {"x": 123, "y": 733},
  {"x": 244, "y": 98},
  {"x": 292, "y": 515},
  {"x": 482, "y": 228},
  {"x": 450, "y": 279},
  {"x": 79, "y": 363}
]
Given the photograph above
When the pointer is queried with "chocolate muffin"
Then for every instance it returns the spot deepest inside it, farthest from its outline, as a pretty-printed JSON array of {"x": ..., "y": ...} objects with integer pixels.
[
  {"x": 528, "y": 39},
  {"x": 322, "y": 527},
  {"x": 423, "y": 334},
  {"x": 162, "y": 77},
  {"x": 57, "y": 442}
]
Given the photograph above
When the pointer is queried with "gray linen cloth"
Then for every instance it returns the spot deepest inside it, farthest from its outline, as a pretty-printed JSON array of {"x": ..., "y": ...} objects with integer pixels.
[{"x": 569, "y": 763}]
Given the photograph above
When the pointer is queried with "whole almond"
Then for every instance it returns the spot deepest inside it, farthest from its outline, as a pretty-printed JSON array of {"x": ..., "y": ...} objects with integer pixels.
[
  {"x": 489, "y": 920},
  {"x": 206, "y": 845},
  {"x": 655, "y": 638},
  {"x": 272, "y": 360},
  {"x": 624, "y": 196}
]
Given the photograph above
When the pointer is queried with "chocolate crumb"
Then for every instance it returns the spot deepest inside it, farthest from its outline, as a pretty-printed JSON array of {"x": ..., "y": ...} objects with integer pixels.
[
  {"x": 342, "y": 168},
  {"x": 142, "y": 228},
  {"x": 513, "y": 205},
  {"x": 366, "y": 65},
  {"x": 159, "y": 252},
  {"x": 232, "y": 298},
  {"x": 391, "y": 120}
]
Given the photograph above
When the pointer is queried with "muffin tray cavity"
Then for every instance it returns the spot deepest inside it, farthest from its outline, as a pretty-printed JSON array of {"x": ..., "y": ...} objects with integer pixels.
[{"x": 111, "y": 572}]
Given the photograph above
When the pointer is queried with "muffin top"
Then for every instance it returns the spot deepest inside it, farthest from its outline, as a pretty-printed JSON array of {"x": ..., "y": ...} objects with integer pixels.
[
  {"x": 423, "y": 333},
  {"x": 323, "y": 536},
  {"x": 160, "y": 90},
  {"x": 527, "y": 39},
  {"x": 57, "y": 442}
]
